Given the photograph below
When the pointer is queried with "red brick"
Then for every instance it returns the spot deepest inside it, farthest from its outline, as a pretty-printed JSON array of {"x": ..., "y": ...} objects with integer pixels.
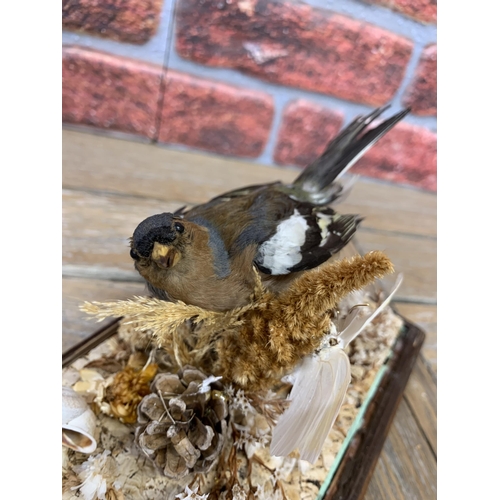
[
  {"x": 406, "y": 155},
  {"x": 134, "y": 21},
  {"x": 296, "y": 45},
  {"x": 214, "y": 116},
  {"x": 305, "y": 131},
  {"x": 421, "y": 95},
  {"x": 111, "y": 92},
  {"x": 421, "y": 10}
]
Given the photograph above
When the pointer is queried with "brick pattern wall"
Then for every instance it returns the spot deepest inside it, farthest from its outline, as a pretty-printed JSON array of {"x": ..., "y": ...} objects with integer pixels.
[{"x": 268, "y": 80}]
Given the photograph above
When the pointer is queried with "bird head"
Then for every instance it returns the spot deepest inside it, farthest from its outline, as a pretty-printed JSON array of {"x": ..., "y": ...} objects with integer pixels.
[{"x": 157, "y": 243}]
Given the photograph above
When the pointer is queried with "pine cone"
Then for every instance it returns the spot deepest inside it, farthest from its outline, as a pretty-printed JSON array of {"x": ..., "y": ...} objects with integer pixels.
[{"x": 183, "y": 422}]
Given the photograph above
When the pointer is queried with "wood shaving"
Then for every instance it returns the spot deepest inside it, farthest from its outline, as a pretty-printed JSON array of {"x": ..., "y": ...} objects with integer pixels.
[{"x": 129, "y": 474}]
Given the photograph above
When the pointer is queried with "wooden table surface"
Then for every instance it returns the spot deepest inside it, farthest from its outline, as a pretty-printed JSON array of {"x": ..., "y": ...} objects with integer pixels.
[{"x": 110, "y": 185}]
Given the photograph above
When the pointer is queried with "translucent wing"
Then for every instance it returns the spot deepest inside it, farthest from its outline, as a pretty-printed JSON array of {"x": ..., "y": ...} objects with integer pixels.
[
  {"x": 319, "y": 390},
  {"x": 316, "y": 398},
  {"x": 354, "y": 324}
]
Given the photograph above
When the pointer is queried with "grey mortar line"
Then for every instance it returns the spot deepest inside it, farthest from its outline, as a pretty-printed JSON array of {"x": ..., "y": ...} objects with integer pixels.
[
  {"x": 382, "y": 17},
  {"x": 281, "y": 94},
  {"x": 152, "y": 51},
  {"x": 169, "y": 15},
  {"x": 267, "y": 154}
]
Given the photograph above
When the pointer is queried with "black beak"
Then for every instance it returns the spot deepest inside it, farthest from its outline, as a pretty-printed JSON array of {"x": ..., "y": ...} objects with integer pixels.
[{"x": 157, "y": 228}]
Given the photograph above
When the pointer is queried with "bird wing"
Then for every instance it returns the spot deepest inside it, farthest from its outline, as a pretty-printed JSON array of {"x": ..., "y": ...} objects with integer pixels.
[
  {"x": 290, "y": 235},
  {"x": 226, "y": 197},
  {"x": 245, "y": 216},
  {"x": 291, "y": 225},
  {"x": 305, "y": 239},
  {"x": 318, "y": 392}
]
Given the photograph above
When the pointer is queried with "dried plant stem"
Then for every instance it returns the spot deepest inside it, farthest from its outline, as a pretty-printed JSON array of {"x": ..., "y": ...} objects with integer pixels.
[
  {"x": 162, "y": 317},
  {"x": 257, "y": 343},
  {"x": 283, "y": 329},
  {"x": 323, "y": 288}
]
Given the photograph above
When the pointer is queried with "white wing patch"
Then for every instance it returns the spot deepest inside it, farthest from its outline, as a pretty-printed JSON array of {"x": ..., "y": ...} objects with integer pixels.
[
  {"x": 323, "y": 221},
  {"x": 282, "y": 251}
]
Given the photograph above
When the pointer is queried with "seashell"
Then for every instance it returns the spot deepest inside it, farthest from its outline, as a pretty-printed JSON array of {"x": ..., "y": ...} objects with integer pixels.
[{"x": 78, "y": 422}]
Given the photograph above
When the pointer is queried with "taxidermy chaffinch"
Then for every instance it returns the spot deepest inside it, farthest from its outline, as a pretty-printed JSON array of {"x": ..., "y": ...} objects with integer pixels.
[{"x": 206, "y": 255}]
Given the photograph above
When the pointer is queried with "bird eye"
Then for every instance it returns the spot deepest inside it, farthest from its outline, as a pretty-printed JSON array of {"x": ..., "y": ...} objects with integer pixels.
[
  {"x": 179, "y": 227},
  {"x": 134, "y": 254}
]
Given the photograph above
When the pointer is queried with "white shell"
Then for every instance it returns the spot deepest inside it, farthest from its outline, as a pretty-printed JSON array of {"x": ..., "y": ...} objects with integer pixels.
[{"x": 78, "y": 422}]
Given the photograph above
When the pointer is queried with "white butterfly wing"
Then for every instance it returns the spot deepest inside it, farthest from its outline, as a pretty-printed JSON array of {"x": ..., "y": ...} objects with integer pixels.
[
  {"x": 357, "y": 323},
  {"x": 320, "y": 386},
  {"x": 290, "y": 429},
  {"x": 348, "y": 321},
  {"x": 316, "y": 398}
]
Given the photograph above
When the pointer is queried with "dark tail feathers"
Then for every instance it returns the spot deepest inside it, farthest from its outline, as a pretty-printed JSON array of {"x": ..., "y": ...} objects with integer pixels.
[{"x": 345, "y": 149}]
